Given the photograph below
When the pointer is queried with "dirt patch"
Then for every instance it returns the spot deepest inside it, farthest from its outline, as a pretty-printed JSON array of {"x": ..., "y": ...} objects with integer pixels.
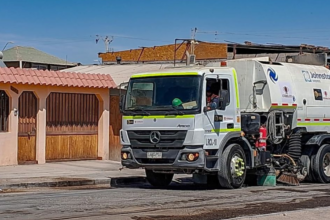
[
  {"x": 85, "y": 187},
  {"x": 250, "y": 210},
  {"x": 70, "y": 179},
  {"x": 321, "y": 190},
  {"x": 280, "y": 189},
  {"x": 11, "y": 191}
]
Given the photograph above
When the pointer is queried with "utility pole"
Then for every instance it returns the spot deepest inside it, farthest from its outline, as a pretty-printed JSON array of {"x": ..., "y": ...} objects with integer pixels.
[
  {"x": 106, "y": 40},
  {"x": 193, "y": 35},
  {"x": 194, "y": 31}
]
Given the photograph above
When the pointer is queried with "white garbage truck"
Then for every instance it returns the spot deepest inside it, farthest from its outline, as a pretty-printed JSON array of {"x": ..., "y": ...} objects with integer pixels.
[{"x": 229, "y": 122}]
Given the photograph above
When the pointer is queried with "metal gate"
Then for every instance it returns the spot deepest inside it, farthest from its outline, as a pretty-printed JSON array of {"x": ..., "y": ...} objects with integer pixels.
[
  {"x": 27, "y": 114},
  {"x": 72, "y": 126}
]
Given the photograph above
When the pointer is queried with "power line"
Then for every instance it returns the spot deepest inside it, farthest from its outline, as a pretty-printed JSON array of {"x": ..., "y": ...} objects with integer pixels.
[
  {"x": 267, "y": 35},
  {"x": 304, "y": 30},
  {"x": 138, "y": 38}
]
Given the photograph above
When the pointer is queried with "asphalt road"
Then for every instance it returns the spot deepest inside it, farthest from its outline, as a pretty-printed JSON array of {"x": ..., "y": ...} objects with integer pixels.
[{"x": 179, "y": 201}]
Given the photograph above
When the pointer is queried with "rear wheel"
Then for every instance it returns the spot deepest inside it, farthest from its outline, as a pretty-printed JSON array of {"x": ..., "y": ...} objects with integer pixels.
[
  {"x": 306, "y": 161},
  {"x": 159, "y": 179},
  {"x": 232, "y": 172},
  {"x": 321, "y": 164}
]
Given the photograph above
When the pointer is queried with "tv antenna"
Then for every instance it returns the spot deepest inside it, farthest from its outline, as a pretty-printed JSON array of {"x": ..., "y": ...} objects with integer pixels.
[{"x": 107, "y": 41}]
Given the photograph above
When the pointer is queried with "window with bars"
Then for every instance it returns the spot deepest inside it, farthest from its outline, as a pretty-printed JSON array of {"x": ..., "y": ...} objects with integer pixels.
[{"x": 4, "y": 111}]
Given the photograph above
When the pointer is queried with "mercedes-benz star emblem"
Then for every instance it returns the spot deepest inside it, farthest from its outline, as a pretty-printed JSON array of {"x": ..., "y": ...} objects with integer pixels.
[{"x": 154, "y": 137}]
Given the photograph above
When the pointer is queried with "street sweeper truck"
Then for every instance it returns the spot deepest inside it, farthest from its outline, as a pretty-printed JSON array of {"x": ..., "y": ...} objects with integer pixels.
[{"x": 229, "y": 122}]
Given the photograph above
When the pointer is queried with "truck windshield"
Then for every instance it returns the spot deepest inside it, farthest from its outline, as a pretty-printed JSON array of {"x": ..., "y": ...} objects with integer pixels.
[{"x": 164, "y": 93}]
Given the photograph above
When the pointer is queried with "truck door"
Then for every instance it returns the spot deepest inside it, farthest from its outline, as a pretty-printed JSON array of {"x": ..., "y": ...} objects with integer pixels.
[{"x": 219, "y": 121}]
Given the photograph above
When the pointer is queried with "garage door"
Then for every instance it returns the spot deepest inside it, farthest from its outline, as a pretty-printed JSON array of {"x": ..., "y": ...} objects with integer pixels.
[{"x": 72, "y": 125}]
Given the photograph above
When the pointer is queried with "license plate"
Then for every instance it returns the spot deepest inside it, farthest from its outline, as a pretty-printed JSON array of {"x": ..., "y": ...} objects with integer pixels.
[{"x": 154, "y": 155}]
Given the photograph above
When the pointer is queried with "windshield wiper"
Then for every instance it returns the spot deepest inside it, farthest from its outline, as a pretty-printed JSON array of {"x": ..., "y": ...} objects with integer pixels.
[
  {"x": 176, "y": 112},
  {"x": 144, "y": 112}
]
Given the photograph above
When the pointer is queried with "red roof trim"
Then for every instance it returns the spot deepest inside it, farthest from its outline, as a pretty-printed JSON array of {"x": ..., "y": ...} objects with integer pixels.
[{"x": 55, "y": 78}]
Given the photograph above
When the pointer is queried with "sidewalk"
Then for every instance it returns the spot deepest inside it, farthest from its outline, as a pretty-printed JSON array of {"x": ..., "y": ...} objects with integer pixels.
[{"x": 73, "y": 173}]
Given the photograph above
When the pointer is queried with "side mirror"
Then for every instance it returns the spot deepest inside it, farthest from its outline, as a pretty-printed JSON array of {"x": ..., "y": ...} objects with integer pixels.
[
  {"x": 122, "y": 103},
  {"x": 223, "y": 100},
  {"x": 122, "y": 86},
  {"x": 205, "y": 109},
  {"x": 222, "y": 104}
]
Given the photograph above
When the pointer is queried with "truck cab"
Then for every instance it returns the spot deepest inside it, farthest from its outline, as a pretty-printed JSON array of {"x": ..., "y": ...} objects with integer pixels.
[{"x": 174, "y": 122}]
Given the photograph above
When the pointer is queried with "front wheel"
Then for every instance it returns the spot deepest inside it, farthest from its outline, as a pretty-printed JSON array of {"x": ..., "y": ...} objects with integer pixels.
[
  {"x": 159, "y": 179},
  {"x": 321, "y": 164},
  {"x": 232, "y": 172}
]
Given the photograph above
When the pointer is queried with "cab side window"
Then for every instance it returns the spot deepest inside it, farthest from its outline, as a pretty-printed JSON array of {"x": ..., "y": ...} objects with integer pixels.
[
  {"x": 212, "y": 94},
  {"x": 225, "y": 90},
  {"x": 217, "y": 93}
]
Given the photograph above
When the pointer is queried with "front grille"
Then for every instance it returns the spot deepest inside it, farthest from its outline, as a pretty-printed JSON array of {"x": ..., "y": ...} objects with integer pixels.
[
  {"x": 168, "y": 139},
  {"x": 161, "y": 132},
  {"x": 155, "y": 161}
]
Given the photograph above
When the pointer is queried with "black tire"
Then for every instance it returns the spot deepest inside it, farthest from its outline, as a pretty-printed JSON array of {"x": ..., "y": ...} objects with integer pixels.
[
  {"x": 306, "y": 161},
  {"x": 212, "y": 181},
  {"x": 226, "y": 178},
  {"x": 323, "y": 155},
  {"x": 159, "y": 180},
  {"x": 312, "y": 169}
]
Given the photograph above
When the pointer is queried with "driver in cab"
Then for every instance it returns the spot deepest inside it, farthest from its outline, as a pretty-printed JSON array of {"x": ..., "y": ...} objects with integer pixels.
[{"x": 212, "y": 99}]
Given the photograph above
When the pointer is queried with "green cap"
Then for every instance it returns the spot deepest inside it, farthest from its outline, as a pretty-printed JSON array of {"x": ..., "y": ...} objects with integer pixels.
[{"x": 176, "y": 102}]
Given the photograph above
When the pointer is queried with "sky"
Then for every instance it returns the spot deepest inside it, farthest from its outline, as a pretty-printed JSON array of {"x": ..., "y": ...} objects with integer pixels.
[{"x": 68, "y": 28}]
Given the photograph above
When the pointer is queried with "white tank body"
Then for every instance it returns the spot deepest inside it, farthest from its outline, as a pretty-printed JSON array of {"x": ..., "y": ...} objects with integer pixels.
[{"x": 304, "y": 89}]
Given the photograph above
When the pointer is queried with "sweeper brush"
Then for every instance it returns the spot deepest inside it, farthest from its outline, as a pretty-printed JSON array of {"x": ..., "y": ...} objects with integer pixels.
[{"x": 289, "y": 179}]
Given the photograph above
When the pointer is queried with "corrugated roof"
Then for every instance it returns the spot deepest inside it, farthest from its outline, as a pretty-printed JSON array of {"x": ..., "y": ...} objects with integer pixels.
[
  {"x": 119, "y": 73},
  {"x": 55, "y": 78},
  {"x": 30, "y": 54}
]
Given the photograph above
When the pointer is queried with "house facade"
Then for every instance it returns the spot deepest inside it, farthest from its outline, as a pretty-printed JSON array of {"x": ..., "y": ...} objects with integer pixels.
[{"x": 51, "y": 116}]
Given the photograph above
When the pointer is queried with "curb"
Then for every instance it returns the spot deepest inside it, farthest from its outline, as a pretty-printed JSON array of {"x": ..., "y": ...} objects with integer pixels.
[
  {"x": 61, "y": 183},
  {"x": 112, "y": 182},
  {"x": 125, "y": 181}
]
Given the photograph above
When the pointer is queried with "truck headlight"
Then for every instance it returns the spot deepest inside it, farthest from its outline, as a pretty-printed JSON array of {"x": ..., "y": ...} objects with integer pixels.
[
  {"x": 126, "y": 155},
  {"x": 190, "y": 156}
]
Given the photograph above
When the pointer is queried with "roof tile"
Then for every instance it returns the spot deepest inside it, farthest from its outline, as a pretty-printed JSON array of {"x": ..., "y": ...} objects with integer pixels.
[
  {"x": 4, "y": 78},
  {"x": 58, "y": 79},
  {"x": 30, "y": 78},
  {"x": 99, "y": 81},
  {"x": 62, "y": 78},
  {"x": 35, "y": 78},
  {"x": 83, "y": 79},
  {"x": 55, "y": 78},
  {"x": 7, "y": 70}
]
